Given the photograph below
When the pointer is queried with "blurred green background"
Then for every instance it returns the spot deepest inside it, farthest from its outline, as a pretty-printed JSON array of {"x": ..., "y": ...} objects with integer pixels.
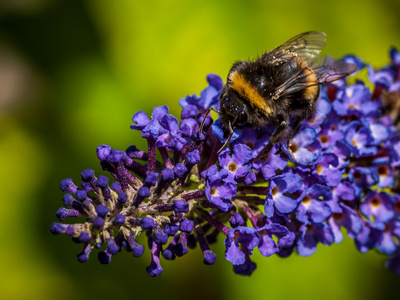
[{"x": 72, "y": 74}]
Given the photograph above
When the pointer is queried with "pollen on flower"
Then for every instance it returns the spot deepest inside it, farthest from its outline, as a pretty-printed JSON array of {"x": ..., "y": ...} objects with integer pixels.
[
  {"x": 250, "y": 145},
  {"x": 337, "y": 216},
  {"x": 382, "y": 170},
  {"x": 213, "y": 191},
  {"x": 275, "y": 190},
  {"x": 319, "y": 169},
  {"x": 375, "y": 202},
  {"x": 324, "y": 139},
  {"x": 306, "y": 199},
  {"x": 293, "y": 147},
  {"x": 232, "y": 167}
]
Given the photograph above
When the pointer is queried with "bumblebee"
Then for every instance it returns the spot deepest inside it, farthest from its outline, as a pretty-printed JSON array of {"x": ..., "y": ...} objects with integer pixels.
[{"x": 280, "y": 88}]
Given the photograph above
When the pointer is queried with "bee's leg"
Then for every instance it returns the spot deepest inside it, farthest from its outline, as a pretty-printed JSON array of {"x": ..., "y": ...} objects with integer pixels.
[
  {"x": 205, "y": 117},
  {"x": 278, "y": 135},
  {"x": 228, "y": 138},
  {"x": 305, "y": 116}
]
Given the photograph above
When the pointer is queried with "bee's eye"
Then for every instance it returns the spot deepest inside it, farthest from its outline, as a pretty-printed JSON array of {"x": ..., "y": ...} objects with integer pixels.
[
  {"x": 242, "y": 118},
  {"x": 224, "y": 99}
]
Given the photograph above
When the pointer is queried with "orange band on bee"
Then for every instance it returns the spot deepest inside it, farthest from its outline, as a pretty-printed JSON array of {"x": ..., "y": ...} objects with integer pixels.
[{"x": 246, "y": 90}]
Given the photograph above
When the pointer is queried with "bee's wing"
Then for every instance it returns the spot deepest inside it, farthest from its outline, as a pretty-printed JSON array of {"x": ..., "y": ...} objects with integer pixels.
[
  {"x": 306, "y": 46},
  {"x": 329, "y": 69},
  {"x": 326, "y": 69}
]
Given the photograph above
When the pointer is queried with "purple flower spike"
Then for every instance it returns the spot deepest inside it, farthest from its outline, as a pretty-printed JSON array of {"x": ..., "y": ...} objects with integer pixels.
[
  {"x": 147, "y": 223},
  {"x": 282, "y": 194},
  {"x": 339, "y": 175}
]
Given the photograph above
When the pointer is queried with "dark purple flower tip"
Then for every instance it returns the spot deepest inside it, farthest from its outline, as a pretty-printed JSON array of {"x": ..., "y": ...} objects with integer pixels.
[
  {"x": 122, "y": 198},
  {"x": 154, "y": 269},
  {"x": 68, "y": 200},
  {"x": 236, "y": 220},
  {"x": 147, "y": 223},
  {"x": 193, "y": 157},
  {"x": 160, "y": 237},
  {"x": 87, "y": 175},
  {"x": 98, "y": 222},
  {"x": 167, "y": 174},
  {"x": 83, "y": 257},
  {"x": 81, "y": 195},
  {"x": 191, "y": 241},
  {"x": 180, "y": 170},
  {"x": 102, "y": 182},
  {"x": 209, "y": 257},
  {"x": 171, "y": 229},
  {"x": 245, "y": 269},
  {"x": 113, "y": 248},
  {"x": 168, "y": 254},
  {"x": 84, "y": 237},
  {"x": 57, "y": 228},
  {"x": 215, "y": 81},
  {"x": 68, "y": 186},
  {"x": 119, "y": 219},
  {"x": 137, "y": 250},
  {"x": 187, "y": 226},
  {"x": 181, "y": 206},
  {"x": 103, "y": 152},
  {"x": 180, "y": 249},
  {"x": 151, "y": 178},
  {"x": 64, "y": 213},
  {"x": 102, "y": 210},
  {"x": 104, "y": 257},
  {"x": 116, "y": 156},
  {"x": 116, "y": 186}
]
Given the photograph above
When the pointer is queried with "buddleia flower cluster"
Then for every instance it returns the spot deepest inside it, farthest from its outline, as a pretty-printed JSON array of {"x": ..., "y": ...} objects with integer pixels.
[{"x": 340, "y": 171}]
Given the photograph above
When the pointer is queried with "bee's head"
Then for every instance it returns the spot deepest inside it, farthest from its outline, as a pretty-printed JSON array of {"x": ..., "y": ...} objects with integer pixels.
[{"x": 233, "y": 109}]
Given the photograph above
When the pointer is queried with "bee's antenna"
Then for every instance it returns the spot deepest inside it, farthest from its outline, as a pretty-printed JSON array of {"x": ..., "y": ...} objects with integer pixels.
[
  {"x": 229, "y": 137},
  {"x": 205, "y": 117}
]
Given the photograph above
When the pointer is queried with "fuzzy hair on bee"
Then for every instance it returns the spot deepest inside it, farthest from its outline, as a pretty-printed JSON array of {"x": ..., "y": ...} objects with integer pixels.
[{"x": 281, "y": 87}]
